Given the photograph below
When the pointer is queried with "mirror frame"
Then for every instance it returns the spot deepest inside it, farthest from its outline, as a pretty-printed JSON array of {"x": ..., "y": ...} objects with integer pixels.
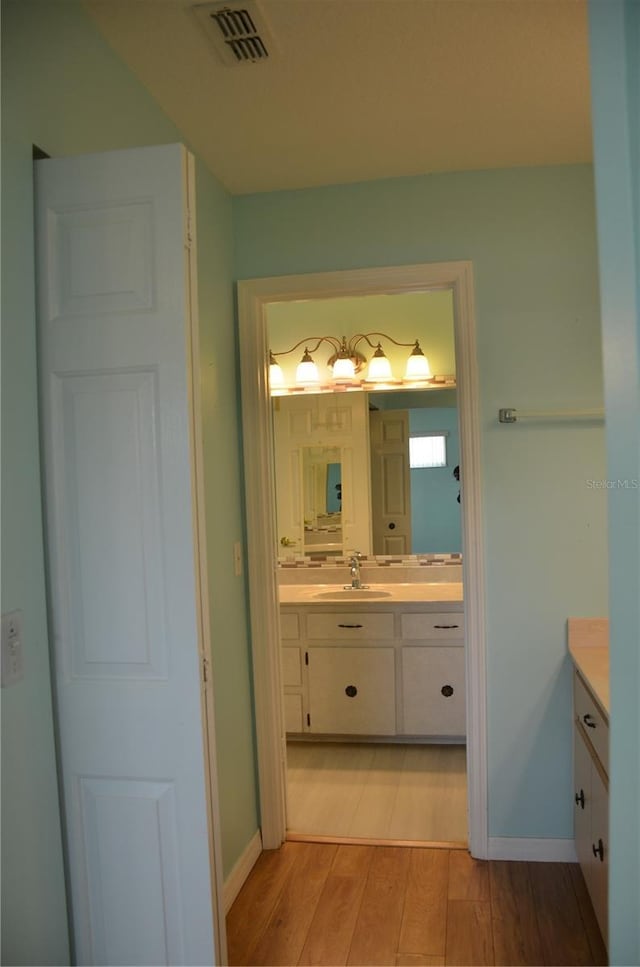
[{"x": 253, "y": 297}]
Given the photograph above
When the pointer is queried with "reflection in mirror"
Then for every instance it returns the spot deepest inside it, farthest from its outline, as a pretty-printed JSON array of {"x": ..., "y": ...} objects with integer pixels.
[
  {"x": 322, "y": 498},
  {"x": 431, "y": 509},
  {"x": 414, "y": 511},
  {"x": 334, "y": 488}
]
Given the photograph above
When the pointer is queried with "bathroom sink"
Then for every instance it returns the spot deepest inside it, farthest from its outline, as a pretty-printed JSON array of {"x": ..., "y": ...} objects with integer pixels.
[{"x": 351, "y": 594}]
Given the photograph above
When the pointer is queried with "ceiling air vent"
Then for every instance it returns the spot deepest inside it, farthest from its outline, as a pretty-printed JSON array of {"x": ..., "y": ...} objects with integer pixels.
[{"x": 238, "y": 31}]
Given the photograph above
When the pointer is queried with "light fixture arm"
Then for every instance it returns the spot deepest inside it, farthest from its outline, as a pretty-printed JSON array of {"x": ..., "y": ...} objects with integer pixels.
[
  {"x": 318, "y": 340},
  {"x": 354, "y": 340}
]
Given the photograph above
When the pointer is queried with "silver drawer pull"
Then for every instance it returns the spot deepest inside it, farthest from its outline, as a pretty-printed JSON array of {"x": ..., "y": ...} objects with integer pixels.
[
  {"x": 349, "y": 626},
  {"x": 446, "y": 626},
  {"x": 588, "y": 721}
]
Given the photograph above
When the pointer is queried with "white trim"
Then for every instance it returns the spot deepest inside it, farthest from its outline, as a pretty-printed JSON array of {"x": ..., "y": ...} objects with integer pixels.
[
  {"x": 198, "y": 496},
  {"x": 253, "y": 297},
  {"x": 241, "y": 869},
  {"x": 533, "y": 850}
]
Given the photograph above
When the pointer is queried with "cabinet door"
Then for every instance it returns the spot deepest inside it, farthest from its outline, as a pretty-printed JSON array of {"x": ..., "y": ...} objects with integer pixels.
[
  {"x": 582, "y": 806},
  {"x": 433, "y": 694},
  {"x": 352, "y": 691},
  {"x": 291, "y": 666},
  {"x": 599, "y": 848},
  {"x": 293, "y": 713}
]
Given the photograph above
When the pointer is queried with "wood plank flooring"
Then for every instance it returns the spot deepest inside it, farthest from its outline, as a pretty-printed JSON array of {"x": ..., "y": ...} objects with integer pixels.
[
  {"x": 312, "y": 903},
  {"x": 381, "y": 792}
]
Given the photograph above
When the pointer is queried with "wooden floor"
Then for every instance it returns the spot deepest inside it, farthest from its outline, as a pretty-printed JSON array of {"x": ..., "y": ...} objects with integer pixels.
[
  {"x": 312, "y": 903},
  {"x": 382, "y": 792}
]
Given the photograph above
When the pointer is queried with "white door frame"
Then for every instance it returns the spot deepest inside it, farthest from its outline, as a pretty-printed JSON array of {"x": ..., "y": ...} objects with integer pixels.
[{"x": 254, "y": 295}]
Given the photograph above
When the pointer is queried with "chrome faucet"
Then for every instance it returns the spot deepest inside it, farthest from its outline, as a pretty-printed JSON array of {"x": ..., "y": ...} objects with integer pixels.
[{"x": 354, "y": 570}]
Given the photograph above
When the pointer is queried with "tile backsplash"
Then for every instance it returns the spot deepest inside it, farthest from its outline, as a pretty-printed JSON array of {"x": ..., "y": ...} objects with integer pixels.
[{"x": 377, "y": 568}]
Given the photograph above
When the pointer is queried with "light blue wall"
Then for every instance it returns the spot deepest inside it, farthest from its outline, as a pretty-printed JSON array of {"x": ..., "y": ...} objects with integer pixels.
[
  {"x": 435, "y": 511},
  {"x": 615, "y": 80},
  {"x": 531, "y": 236},
  {"x": 64, "y": 89}
]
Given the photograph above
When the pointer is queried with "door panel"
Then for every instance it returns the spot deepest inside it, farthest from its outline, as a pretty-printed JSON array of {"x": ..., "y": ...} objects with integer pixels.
[
  {"x": 116, "y": 416},
  {"x": 390, "y": 482},
  {"x": 119, "y": 483}
]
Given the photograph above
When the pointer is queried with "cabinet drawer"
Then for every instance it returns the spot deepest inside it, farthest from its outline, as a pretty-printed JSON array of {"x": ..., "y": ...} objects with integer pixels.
[
  {"x": 352, "y": 691},
  {"x": 289, "y": 626},
  {"x": 352, "y": 625},
  {"x": 433, "y": 694},
  {"x": 291, "y": 665},
  {"x": 595, "y": 726},
  {"x": 448, "y": 624}
]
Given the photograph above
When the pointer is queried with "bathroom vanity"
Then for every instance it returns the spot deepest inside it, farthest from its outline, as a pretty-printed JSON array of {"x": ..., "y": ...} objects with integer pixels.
[
  {"x": 381, "y": 662},
  {"x": 589, "y": 650}
]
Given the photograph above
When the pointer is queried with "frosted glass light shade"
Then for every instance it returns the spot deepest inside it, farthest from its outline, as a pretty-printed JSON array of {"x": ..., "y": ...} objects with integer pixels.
[
  {"x": 343, "y": 369},
  {"x": 276, "y": 376},
  {"x": 417, "y": 365},
  {"x": 307, "y": 371},
  {"x": 379, "y": 367}
]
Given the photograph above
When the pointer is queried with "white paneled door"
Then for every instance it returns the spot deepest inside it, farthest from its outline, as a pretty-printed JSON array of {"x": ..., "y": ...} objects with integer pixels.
[
  {"x": 390, "y": 482},
  {"x": 115, "y": 283}
]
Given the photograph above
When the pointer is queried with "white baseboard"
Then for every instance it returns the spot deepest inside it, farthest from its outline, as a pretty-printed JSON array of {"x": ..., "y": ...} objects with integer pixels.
[
  {"x": 533, "y": 850},
  {"x": 234, "y": 882}
]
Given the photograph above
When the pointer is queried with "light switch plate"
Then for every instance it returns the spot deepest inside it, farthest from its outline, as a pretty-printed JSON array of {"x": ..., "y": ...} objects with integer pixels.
[{"x": 12, "y": 656}]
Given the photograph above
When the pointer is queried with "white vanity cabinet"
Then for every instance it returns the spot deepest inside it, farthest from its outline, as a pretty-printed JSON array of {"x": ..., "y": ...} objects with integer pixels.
[
  {"x": 392, "y": 670},
  {"x": 591, "y": 796},
  {"x": 292, "y": 657}
]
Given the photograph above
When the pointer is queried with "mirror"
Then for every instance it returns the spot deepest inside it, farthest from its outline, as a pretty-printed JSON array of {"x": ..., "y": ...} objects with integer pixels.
[
  {"x": 434, "y": 524},
  {"x": 432, "y": 515},
  {"x": 397, "y": 510},
  {"x": 322, "y": 499}
]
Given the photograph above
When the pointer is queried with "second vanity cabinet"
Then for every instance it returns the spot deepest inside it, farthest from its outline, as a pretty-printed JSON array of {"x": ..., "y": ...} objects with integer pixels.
[
  {"x": 591, "y": 796},
  {"x": 385, "y": 670}
]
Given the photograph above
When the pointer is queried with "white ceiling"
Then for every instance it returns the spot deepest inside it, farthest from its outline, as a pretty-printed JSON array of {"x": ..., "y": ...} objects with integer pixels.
[{"x": 364, "y": 89}]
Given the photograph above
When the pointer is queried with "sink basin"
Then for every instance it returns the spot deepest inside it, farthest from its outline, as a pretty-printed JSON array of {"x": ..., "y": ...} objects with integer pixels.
[{"x": 351, "y": 594}]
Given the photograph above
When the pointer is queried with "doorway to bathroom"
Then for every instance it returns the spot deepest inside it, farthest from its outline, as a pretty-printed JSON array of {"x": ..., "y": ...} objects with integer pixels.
[{"x": 374, "y": 769}]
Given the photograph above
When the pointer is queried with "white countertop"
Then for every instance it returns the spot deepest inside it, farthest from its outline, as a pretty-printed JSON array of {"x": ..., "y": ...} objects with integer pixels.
[
  {"x": 398, "y": 594},
  {"x": 589, "y": 650}
]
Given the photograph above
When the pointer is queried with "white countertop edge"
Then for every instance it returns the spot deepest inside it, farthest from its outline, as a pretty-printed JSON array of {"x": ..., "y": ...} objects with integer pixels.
[{"x": 412, "y": 593}]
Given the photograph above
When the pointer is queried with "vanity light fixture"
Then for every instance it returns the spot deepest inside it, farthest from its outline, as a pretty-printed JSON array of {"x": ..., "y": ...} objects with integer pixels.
[
  {"x": 307, "y": 371},
  {"x": 276, "y": 376},
  {"x": 347, "y": 361}
]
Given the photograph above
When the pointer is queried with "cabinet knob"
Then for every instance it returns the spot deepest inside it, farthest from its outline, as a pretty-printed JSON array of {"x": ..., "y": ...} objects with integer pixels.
[
  {"x": 588, "y": 721},
  {"x": 392, "y": 526},
  {"x": 598, "y": 850},
  {"x": 447, "y": 691},
  {"x": 351, "y": 691},
  {"x": 580, "y": 799}
]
